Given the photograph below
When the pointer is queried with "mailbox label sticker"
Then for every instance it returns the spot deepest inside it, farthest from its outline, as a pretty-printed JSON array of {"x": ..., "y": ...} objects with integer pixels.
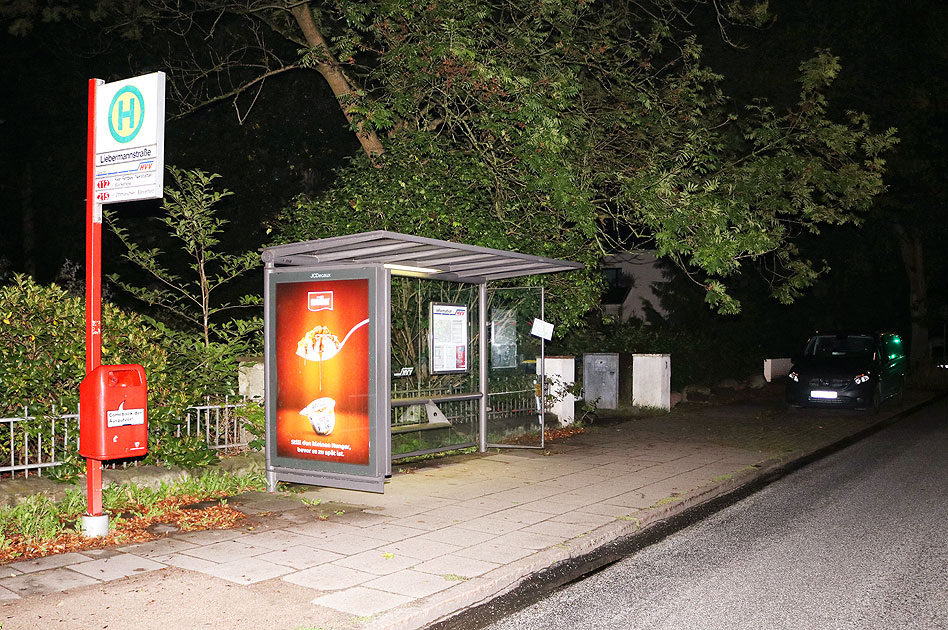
[{"x": 125, "y": 417}]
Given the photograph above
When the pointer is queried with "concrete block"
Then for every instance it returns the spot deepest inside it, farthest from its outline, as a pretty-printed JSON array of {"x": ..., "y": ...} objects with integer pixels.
[
  {"x": 560, "y": 376},
  {"x": 651, "y": 380},
  {"x": 250, "y": 380},
  {"x": 776, "y": 368}
]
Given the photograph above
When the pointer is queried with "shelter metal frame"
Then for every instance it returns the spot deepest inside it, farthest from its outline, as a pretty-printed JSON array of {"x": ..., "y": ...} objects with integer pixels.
[{"x": 417, "y": 256}]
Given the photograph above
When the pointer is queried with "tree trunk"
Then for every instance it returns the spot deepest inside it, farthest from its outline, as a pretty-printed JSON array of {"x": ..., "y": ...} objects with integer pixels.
[
  {"x": 912, "y": 257},
  {"x": 338, "y": 81}
]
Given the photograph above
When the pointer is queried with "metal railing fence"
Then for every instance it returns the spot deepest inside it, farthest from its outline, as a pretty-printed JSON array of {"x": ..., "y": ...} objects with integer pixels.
[{"x": 29, "y": 444}]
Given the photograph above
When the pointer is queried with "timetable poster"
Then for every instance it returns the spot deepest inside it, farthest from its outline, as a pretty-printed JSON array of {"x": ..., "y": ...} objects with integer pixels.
[{"x": 449, "y": 338}]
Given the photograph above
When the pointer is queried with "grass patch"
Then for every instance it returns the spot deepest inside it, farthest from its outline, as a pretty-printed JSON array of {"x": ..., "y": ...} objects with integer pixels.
[
  {"x": 666, "y": 501},
  {"x": 40, "y": 526}
]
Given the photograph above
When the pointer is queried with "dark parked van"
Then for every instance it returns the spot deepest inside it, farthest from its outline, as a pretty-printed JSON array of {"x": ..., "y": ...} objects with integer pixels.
[{"x": 848, "y": 369}]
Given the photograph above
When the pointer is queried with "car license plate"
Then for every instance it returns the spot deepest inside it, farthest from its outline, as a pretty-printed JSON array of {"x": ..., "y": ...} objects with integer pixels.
[{"x": 818, "y": 393}]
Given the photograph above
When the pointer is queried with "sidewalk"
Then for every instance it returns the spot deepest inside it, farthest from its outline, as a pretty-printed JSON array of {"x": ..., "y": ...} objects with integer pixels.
[{"x": 442, "y": 538}]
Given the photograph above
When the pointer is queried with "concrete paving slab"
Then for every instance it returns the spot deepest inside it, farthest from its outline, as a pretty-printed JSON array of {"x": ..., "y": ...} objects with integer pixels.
[
  {"x": 411, "y": 583},
  {"x": 210, "y": 536},
  {"x": 527, "y": 494},
  {"x": 604, "y": 490},
  {"x": 577, "y": 498},
  {"x": 190, "y": 563},
  {"x": 346, "y": 544},
  {"x": 457, "y": 513},
  {"x": 487, "y": 503},
  {"x": 160, "y": 547},
  {"x": 589, "y": 519},
  {"x": 390, "y": 532},
  {"x": 377, "y": 562},
  {"x": 575, "y": 481},
  {"x": 455, "y": 565},
  {"x": 520, "y": 515},
  {"x": 329, "y": 577},
  {"x": 460, "y": 493},
  {"x": 47, "y": 562},
  {"x": 429, "y": 521},
  {"x": 529, "y": 540},
  {"x": 455, "y": 535},
  {"x": 277, "y": 539},
  {"x": 491, "y": 525},
  {"x": 560, "y": 504},
  {"x": 247, "y": 570},
  {"x": 299, "y": 557},
  {"x": 116, "y": 567},
  {"x": 494, "y": 552},
  {"x": 45, "y": 582},
  {"x": 323, "y": 529},
  {"x": 420, "y": 549},
  {"x": 7, "y": 594},
  {"x": 360, "y": 519},
  {"x": 361, "y": 601},
  {"x": 226, "y": 551},
  {"x": 558, "y": 529},
  {"x": 100, "y": 554}
]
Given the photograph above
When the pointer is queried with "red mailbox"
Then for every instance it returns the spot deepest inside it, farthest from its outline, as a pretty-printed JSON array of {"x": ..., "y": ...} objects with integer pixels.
[{"x": 113, "y": 416}]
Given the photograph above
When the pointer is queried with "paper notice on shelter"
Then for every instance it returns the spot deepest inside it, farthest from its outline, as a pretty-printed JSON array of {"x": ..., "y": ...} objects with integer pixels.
[{"x": 542, "y": 329}]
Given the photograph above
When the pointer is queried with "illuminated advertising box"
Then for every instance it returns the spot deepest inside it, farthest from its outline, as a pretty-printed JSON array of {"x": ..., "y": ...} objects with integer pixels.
[{"x": 324, "y": 333}]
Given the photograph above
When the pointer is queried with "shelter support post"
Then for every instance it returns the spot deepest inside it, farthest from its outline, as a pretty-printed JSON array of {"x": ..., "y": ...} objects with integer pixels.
[{"x": 482, "y": 367}]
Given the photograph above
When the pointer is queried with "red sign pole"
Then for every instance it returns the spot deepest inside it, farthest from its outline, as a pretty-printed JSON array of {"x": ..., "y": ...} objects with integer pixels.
[{"x": 93, "y": 295}]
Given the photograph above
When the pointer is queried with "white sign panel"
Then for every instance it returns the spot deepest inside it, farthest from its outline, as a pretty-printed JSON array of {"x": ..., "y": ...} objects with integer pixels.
[
  {"x": 542, "y": 329},
  {"x": 129, "y": 139},
  {"x": 448, "y": 338}
]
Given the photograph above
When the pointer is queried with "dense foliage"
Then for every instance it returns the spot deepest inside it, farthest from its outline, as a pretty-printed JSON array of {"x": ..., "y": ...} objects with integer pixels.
[
  {"x": 577, "y": 129},
  {"x": 559, "y": 127},
  {"x": 42, "y": 344},
  {"x": 189, "y": 292}
]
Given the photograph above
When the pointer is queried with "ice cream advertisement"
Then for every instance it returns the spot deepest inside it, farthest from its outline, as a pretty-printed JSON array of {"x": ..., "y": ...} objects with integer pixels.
[{"x": 322, "y": 370}]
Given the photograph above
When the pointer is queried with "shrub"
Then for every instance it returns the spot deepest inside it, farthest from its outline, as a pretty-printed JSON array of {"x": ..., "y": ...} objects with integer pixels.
[{"x": 42, "y": 342}]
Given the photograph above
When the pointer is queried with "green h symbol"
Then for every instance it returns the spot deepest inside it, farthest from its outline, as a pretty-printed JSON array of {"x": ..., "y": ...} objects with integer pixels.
[
  {"x": 126, "y": 113},
  {"x": 122, "y": 110}
]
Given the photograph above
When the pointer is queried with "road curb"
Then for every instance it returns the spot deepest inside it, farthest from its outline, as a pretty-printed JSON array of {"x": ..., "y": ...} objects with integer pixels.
[{"x": 520, "y": 583}]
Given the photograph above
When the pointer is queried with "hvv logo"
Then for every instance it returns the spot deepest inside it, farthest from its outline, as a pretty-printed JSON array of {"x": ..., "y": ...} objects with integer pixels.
[{"x": 319, "y": 300}]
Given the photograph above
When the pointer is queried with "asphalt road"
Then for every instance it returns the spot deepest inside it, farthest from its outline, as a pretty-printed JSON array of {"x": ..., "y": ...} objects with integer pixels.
[{"x": 856, "y": 540}]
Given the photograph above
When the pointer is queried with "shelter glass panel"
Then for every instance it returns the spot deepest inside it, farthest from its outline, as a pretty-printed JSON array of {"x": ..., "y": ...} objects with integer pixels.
[
  {"x": 432, "y": 411},
  {"x": 513, "y": 417}
]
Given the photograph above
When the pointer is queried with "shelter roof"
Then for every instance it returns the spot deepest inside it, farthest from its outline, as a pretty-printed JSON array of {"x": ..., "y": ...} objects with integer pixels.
[{"x": 413, "y": 255}]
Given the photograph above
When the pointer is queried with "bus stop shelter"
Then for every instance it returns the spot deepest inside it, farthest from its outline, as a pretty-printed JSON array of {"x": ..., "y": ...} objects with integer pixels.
[{"x": 328, "y": 348}]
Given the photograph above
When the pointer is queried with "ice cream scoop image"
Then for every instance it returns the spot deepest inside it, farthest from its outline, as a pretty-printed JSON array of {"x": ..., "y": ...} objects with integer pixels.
[
  {"x": 321, "y": 414},
  {"x": 319, "y": 344}
]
